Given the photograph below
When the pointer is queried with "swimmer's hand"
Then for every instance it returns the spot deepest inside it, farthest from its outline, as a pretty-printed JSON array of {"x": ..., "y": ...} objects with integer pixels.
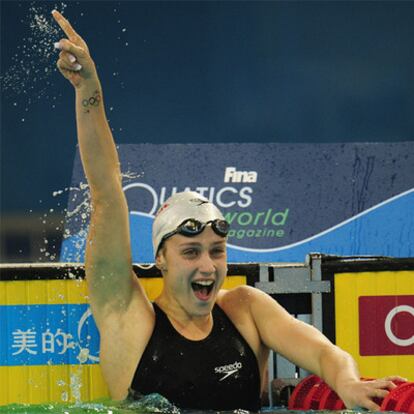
[
  {"x": 75, "y": 62},
  {"x": 367, "y": 393}
]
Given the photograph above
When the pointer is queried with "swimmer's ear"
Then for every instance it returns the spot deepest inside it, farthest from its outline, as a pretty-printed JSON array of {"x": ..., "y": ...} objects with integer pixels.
[{"x": 160, "y": 261}]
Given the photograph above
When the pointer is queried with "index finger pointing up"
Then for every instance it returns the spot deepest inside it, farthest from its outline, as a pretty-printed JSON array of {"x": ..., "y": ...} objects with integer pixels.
[{"x": 65, "y": 25}]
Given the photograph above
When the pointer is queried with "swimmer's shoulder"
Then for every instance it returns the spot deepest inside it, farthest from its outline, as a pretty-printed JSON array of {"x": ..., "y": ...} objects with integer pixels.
[
  {"x": 241, "y": 301},
  {"x": 236, "y": 300},
  {"x": 242, "y": 292}
]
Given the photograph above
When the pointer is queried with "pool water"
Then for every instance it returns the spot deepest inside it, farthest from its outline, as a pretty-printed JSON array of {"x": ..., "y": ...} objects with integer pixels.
[
  {"x": 152, "y": 403},
  {"x": 111, "y": 407},
  {"x": 100, "y": 408}
]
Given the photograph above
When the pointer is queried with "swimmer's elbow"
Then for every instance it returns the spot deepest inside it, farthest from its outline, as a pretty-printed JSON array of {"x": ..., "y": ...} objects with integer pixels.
[{"x": 106, "y": 189}]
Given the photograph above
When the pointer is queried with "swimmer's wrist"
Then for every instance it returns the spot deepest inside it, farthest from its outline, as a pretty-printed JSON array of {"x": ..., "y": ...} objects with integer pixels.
[
  {"x": 343, "y": 382},
  {"x": 89, "y": 86}
]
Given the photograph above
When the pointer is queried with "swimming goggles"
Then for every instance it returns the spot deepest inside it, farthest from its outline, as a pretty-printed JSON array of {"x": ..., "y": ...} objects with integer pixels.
[{"x": 192, "y": 227}]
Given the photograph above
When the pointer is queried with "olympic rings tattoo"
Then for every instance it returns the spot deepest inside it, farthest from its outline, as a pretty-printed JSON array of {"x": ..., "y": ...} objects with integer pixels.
[{"x": 92, "y": 101}]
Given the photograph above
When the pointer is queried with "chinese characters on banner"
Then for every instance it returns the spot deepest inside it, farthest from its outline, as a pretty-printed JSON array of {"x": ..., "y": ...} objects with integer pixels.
[{"x": 48, "y": 334}]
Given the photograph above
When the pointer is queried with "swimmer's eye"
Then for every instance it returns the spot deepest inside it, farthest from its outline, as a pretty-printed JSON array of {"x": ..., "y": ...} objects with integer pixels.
[
  {"x": 190, "y": 252},
  {"x": 193, "y": 252},
  {"x": 218, "y": 251}
]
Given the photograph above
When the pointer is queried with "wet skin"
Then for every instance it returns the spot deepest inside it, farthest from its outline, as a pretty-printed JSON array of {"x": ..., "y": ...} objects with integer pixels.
[
  {"x": 122, "y": 311},
  {"x": 188, "y": 260}
]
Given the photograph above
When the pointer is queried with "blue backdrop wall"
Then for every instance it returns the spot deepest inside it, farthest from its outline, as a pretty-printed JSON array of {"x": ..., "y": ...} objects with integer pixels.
[{"x": 196, "y": 72}]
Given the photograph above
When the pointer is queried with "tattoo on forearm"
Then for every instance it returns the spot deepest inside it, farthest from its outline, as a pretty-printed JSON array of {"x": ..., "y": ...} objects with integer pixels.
[{"x": 94, "y": 100}]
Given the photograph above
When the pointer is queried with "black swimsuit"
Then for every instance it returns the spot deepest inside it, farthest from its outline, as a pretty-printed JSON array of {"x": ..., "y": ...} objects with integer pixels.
[{"x": 219, "y": 372}]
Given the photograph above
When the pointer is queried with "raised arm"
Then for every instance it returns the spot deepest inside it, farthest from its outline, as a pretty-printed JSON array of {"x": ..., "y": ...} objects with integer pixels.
[
  {"x": 308, "y": 348},
  {"x": 111, "y": 281}
]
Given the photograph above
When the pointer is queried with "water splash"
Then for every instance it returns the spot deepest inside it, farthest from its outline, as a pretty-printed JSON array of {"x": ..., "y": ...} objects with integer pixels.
[
  {"x": 83, "y": 355},
  {"x": 29, "y": 75},
  {"x": 76, "y": 384},
  {"x": 113, "y": 407},
  {"x": 78, "y": 213}
]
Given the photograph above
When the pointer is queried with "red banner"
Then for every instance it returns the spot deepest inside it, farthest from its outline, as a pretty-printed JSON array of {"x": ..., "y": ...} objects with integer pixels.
[{"x": 386, "y": 325}]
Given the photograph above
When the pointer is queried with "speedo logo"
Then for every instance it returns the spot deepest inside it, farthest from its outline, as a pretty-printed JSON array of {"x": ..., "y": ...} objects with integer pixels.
[
  {"x": 231, "y": 175},
  {"x": 228, "y": 370}
]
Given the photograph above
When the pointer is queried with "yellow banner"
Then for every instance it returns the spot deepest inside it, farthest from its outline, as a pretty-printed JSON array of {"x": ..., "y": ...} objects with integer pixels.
[
  {"x": 37, "y": 384},
  {"x": 367, "y": 306}
]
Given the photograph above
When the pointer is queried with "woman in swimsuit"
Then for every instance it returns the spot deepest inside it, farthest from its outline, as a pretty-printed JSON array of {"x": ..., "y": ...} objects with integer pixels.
[{"x": 210, "y": 341}]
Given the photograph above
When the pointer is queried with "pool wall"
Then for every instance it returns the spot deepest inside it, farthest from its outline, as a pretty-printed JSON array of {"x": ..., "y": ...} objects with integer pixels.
[{"x": 49, "y": 343}]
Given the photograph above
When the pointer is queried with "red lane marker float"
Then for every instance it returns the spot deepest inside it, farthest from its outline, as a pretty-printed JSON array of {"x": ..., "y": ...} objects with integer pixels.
[
  {"x": 406, "y": 404},
  {"x": 397, "y": 396},
  {"x": 297, "y": 399},
  {"x": 312, "y": 400},
  {"x": 331, "y": 401},
  {"x": 314, "y": 394},
  {"x": 406, "y": 401}
]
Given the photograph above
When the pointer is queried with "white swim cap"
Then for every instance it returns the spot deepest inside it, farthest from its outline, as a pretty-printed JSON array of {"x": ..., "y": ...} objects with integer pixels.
[{"x": 178, "y": 208}]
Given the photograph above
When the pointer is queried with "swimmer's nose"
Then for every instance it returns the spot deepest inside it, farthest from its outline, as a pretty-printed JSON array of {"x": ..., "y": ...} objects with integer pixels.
[{"x": 206, "y": 265}]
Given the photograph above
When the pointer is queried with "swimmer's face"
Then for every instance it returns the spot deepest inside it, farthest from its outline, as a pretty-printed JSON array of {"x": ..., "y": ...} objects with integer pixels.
[{"x": 195, "y": 270}]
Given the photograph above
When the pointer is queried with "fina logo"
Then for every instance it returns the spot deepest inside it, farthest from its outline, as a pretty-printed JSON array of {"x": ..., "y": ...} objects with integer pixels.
[{"x": 231, "y": 175}]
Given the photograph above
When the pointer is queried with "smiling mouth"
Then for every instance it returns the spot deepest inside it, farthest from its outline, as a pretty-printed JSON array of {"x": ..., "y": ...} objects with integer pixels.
[{"x": 202, "y": 288}]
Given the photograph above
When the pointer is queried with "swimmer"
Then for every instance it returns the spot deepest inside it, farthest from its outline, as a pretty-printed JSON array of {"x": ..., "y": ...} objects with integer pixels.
[{"x": 198, "y": 345}]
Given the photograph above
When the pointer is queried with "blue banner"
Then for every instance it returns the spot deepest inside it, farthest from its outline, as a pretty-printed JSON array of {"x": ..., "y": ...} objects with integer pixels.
[
  {"x": 48, "y": 335},
  {"x": 283, "y": 201}
]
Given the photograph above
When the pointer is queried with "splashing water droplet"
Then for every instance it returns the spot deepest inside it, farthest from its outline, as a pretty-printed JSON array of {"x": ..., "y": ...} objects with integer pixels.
[
  {"x": 83, "y": 355},
  {"x": 24, "y": 75},
  {"x": 75, "y": 385}
]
